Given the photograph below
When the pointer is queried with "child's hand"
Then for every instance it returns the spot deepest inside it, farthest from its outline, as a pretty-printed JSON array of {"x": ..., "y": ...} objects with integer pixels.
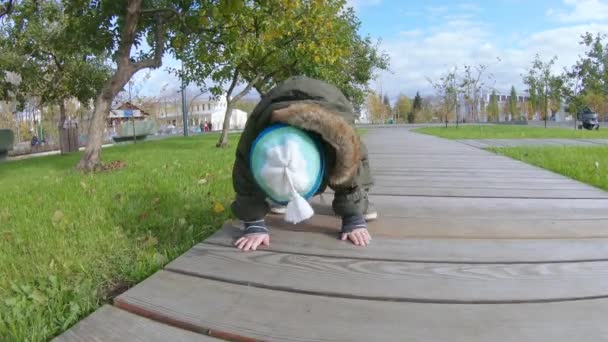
[
  {"x": 359, "y": 237},
  {"x": 252, "y": 241}
]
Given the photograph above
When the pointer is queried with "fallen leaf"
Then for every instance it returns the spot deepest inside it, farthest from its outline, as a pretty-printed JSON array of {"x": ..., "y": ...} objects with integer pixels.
[
  {"x": 156, "y": 200},
  {"x": 83, "y": 185},
  {"x": 38, "y": 296},
  {"x": 148, "y": 240},
  {"x": 202, "y": 181},
  {"x": 143, "y": 215},
  {"x": 182, "y": 221},
  {"x": 218, "y": 208},
  {"x": 58, "y": 216}
]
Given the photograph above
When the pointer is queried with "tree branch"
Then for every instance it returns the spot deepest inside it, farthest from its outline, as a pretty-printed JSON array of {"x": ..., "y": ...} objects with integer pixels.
[
  {"x": 235, "y": 80},
  {"x": 159, "y": 45},
  {"x": 159, "y": 10},
  {"x": 247, "y": 89},
  {"x": 6, "y": 9},
  {"x": 128, "y": 33}
]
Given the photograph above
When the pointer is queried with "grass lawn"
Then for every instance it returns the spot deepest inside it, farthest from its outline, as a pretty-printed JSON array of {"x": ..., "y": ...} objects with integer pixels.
[
  {"x": 70, "y": 241},
  {"x": 586, "y": 164},
  {"x": 510, "y": 132}
]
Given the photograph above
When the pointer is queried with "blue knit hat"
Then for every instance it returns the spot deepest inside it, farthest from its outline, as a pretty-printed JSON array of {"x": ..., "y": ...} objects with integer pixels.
[{"x": 288, "y": 165}]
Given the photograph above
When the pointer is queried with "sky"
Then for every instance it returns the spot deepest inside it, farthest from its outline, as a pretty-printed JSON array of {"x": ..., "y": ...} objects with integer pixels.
[{"x": 425, "y": 39}]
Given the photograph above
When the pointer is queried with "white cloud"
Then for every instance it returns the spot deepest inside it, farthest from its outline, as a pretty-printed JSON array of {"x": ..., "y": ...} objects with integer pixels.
[
  {"x": 411, "y": 33},
  {"x": 413, "y": 59},
  {"x": 580, "y": 11}
]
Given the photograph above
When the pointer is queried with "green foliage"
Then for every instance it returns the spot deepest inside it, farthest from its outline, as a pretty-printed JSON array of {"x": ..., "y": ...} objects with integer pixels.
[
  {"x": 417, "y": 106},
  {"x": 447, "y": 90},
  {"x": 586, "y": 82},
  {"x": 403, "y": 108},
  {"x": 261, "y": 43},
  {"x": 70, "y": 241},
  {"x": 513, "y": 109},
  {"x": 34, "y": 41},
  {"x": 545, "y": 88},
  {"x": 493, "y": 108}
]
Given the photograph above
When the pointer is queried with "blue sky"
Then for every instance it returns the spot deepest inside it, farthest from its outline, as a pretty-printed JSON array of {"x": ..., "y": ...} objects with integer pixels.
[{"x": 424, "y": 39}]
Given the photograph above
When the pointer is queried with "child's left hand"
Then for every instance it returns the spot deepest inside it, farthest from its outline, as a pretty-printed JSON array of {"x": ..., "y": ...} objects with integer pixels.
[{"x": 359, "y": 237}]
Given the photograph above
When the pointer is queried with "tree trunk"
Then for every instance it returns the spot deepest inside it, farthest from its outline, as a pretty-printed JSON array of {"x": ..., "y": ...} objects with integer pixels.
[
  {"x": 63, "y": 133},
  {"x": 223, "y": 142},
  {"x": 91, "y": 158}
]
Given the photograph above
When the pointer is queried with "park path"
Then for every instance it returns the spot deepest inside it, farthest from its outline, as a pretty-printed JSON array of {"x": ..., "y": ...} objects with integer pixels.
[{"x": 470, "y": 246}]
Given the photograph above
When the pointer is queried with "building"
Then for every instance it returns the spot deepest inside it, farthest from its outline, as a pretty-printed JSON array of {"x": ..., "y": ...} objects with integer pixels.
[{"x": 201, "y": 111}]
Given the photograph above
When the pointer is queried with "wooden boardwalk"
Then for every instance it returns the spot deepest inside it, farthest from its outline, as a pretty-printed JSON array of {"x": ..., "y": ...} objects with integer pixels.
[{"x": 470, "y": 246}]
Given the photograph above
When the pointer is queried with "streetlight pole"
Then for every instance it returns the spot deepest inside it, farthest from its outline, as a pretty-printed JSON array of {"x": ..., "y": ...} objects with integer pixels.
[{"x": 184, "y": 109}]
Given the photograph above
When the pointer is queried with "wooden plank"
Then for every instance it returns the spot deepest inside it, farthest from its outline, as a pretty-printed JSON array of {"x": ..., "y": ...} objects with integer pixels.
[
  {"x": 397, "y": 281},
  {"x": 110, "y": 324},
  {"x": 468, "y": 174},
  {"x": 459, "y": 227},
  {"x": 477, "y": 179},
  {"x": 487, "y": 192},
  {"x": 478, "y": 183},
  {"x": 473, "y": 208},
  {"x": 324, "y": 242},
  {"x": 268, "y": 315}
]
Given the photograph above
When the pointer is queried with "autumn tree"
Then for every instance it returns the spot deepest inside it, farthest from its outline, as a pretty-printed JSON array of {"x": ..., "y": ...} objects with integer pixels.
[
  {"x": 493, "y": 108},
  {"x": 376, "y": 108},
  {"x": 257, "y": 50},
  {"x": 542, "y": 84},
  {"x": 34, "y": 48},
  {"x": 471, "y": 85},
  {"x": 446, "y": 89},
  {"x": 403, "y": 108},
  {"x": 116, "y": 28},
  {"x": 592, "y": 71}
]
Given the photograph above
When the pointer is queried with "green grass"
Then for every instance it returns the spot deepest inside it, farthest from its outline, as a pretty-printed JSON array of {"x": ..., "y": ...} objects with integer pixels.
[
  {"x": 510, "y": 132},
  {"x": 586, "y": 164},
  {"x": 70, "y": 241}
]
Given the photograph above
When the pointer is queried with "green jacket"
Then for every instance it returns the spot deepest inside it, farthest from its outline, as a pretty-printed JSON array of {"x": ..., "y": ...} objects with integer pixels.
[{"x": 314, "y": 106}]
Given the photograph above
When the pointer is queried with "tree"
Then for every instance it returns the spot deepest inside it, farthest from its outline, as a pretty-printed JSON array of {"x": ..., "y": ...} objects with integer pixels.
[
  {"x": 470, "y": 86},
  {"x": 592, "y": 71},
  {"x": 114, "y": 28},
  {"x": 33, "y": 44},
  {"x": 493, "y": 108},
  {"x": 403, "y": 108},
  {"x": 446, "y": 89},
  {"x": 541, "y": 81},
  {"x": 376, "y": 108},
  {"x": 513, "y": 109},
  {"x": 259, "y": 50},
  {"x": 387, "y": 102},
  {"x": 6, "y": 7}
]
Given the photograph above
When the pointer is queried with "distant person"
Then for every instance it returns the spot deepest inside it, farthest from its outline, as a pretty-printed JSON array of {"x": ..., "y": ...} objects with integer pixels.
[
  {"x": 34, "y": 141},
  {"x": 210, "y": 127}
]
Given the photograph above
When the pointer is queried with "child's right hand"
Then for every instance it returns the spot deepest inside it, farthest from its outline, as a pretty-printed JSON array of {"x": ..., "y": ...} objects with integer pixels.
[{"x": 252, "y": 241}]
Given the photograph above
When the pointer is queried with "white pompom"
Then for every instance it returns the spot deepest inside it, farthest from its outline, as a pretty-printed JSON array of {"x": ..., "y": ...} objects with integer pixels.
[{"x": 298, "y": 210}]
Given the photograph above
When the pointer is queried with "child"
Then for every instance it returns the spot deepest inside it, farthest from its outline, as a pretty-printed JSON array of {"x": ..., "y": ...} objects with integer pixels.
[{"x": 320, "y": 108}]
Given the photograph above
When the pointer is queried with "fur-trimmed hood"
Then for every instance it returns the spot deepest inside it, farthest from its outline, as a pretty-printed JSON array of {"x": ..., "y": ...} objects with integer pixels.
[{"x": 333, "y": 128}]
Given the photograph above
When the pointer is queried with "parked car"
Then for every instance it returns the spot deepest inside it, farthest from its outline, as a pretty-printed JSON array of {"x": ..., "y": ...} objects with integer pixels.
[{"x": 589, "y": 120}]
